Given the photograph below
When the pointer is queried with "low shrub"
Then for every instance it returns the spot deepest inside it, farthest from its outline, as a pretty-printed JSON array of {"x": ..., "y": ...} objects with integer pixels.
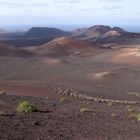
[
  {"x": 46, "y": 98},
  {"x": 63, "y": 99},
  {"x": 2, "y": 113},
  {"x": 138, "y": 117},
  {"x": 110, "y": 104},
  {"x": 82, "y": 110},
  {"x": 130, "y": 109},
  {"x": 113, "y": 115},
  {"x": 2, "y": 92},
  {"x": 26, "y": 107}
]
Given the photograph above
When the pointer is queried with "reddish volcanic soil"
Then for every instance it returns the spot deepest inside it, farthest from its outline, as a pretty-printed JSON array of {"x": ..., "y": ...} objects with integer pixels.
[
  {"x": 56, "y": 120},
  {"x": 61, "y": 120},
  {"x": 87, "y": 75},
  {"x": 65, "y": 46},
  {"x": 36, "y": 89}
]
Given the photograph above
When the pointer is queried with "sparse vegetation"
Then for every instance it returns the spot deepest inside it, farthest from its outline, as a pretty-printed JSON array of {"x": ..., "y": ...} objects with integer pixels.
[
  {"x": 110, "y": 104},
  {"x": 63, "y": 99},
  {"x": 82, "y": 110},
  {"x": 2, "y": 92},
  {"x": 26, "y": 107},
  {"x": 46, "y": 98},
  {"x": 130, "y": 109},
  {"x": 1, "y": 113},
  {"x": 138, "y": 117},
  {"x": 113, "y": 115}
]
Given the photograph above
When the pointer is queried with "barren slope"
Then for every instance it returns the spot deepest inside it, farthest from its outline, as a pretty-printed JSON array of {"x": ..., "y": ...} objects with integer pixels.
[{"x": 66, "y": 46}]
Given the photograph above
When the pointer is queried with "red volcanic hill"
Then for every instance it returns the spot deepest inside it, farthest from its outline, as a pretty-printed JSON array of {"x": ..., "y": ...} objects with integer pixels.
[
  {"x": 66, "y": 46},
  {"x": 106, "y": 35},
  {"x": 98, "y": 32}
]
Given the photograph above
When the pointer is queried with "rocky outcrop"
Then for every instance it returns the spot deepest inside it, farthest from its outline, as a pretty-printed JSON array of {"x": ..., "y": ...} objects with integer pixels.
[{"x": 76, "y": 94}]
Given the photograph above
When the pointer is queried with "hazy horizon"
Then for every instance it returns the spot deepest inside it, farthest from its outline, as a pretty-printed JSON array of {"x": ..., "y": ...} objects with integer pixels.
[
  {"x": 70, "y": 12},
  {"x": 65, "y": 27}
]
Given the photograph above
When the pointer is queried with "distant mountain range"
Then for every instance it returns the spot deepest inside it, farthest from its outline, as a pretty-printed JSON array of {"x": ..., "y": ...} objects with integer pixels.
[
  {"x": 106, "y": 35},
  {"x": 44, "y": 41},
  {"x": 45, "y": 32},
  {"x": 96, "y": 34}
]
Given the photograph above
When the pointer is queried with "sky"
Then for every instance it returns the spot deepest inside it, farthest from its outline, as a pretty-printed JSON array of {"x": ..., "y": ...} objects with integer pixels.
[{"x": 69, "y": 12}]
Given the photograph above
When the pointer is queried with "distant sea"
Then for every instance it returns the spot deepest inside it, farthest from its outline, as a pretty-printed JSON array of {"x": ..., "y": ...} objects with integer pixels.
[
  {"x": 66, "y": 27},
  {"x": 131, "y": 28}
]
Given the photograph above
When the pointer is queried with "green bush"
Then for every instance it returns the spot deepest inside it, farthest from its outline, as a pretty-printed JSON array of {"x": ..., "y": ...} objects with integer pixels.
[
  {"x": 130, "y": 109},
  {"x": 138, "y": 117},
  {"x": 46, "y": 98},
  {"x": 2, "y": 113},
  {"x": 63, "y": 99},
  {"x": 26, "y": 107},
  {"x": 82, "y": 110},
  {"x": 110, "y": 104},
  {"x": 113, "y": 115}
]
